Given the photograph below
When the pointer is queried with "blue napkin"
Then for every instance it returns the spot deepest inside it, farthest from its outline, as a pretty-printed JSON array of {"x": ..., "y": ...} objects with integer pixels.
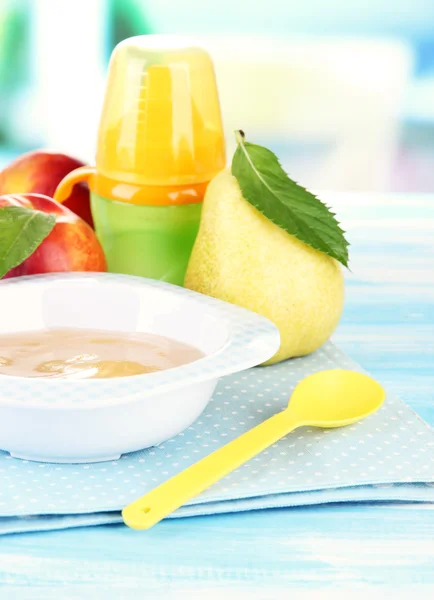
[{"x": 387, "y": 457}]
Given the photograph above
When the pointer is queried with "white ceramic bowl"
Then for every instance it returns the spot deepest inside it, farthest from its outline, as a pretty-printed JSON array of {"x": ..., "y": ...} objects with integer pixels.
[{"x": 73, "y": 420}]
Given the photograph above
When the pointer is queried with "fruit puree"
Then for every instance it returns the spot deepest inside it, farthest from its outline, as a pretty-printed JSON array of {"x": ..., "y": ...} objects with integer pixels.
[{"x": 90, "y": 354}]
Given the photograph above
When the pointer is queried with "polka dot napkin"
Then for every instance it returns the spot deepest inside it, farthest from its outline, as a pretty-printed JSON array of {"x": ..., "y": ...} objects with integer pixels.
[{"x": 388, "y": 456}]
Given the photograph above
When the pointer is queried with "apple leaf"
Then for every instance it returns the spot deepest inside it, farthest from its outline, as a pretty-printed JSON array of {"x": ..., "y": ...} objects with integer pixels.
[
  {"x": 268, "y": 188},
  {"x": 21, "y": 232}
]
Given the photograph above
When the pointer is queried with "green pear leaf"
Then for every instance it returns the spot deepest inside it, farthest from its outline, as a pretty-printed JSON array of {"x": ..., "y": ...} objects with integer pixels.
[
  {"x": 269, "y": 189},
  {"x": 21, "y": 231}
]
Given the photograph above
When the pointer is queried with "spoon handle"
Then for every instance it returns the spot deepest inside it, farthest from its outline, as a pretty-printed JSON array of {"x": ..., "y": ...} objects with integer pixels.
[{"x": 167, "y": 497}]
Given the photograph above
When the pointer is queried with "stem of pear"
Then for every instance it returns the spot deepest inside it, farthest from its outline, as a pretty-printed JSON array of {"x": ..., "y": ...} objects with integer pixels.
[{"x": 239, "y": 136}]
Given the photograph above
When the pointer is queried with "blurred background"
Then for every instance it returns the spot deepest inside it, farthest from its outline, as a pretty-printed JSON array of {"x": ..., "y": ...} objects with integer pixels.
[{"x": 342, "y": 91}]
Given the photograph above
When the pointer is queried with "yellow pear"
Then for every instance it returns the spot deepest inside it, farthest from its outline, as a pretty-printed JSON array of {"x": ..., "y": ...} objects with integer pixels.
[{"x": 242, "y": 257}]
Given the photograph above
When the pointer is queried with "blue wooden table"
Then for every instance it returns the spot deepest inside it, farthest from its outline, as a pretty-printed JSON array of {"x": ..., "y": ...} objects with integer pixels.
[{"x": 351, "y": 550}]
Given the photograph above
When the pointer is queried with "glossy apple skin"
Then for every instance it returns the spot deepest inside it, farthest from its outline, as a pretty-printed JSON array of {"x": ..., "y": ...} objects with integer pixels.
[
  {"x": 71, "y": 246},
  {"x": 41, "y": 171}
]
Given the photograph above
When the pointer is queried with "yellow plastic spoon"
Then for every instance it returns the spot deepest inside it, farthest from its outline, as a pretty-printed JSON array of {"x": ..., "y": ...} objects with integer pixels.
[{"x": 327, "y": 399}]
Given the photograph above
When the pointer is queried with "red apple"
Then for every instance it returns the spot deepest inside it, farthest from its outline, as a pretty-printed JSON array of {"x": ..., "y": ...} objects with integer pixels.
[
  {"x": 71, "y": 246},
  {"x": 41, "y": 171}
]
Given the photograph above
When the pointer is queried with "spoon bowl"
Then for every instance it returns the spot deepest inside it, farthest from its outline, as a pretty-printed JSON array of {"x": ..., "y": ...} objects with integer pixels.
[{"x": 335, "y": 398}]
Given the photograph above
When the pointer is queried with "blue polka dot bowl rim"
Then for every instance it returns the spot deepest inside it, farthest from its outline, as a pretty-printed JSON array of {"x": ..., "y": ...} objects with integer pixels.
[{"x": 89, "y": 420}]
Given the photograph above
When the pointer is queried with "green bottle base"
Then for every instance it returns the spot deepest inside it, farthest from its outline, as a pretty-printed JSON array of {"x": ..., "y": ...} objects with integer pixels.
[{"x": 150, "y": 241}]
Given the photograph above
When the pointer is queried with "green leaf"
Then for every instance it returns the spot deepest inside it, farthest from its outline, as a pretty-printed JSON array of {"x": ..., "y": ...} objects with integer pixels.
[
  {"x": 21, "y": 232},
  {"x": 268, "y": 188}
]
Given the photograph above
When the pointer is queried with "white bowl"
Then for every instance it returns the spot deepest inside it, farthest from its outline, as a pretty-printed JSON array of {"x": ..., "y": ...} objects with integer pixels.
[{"x": 73, "y": 420}]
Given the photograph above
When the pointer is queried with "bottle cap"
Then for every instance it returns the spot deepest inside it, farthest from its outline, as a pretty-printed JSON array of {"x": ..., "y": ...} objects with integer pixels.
[{"x": 161, "y": 122}]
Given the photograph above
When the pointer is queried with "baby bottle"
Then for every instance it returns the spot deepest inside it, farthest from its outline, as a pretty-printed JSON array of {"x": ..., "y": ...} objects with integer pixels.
[{"x": 160, "y": 142}]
